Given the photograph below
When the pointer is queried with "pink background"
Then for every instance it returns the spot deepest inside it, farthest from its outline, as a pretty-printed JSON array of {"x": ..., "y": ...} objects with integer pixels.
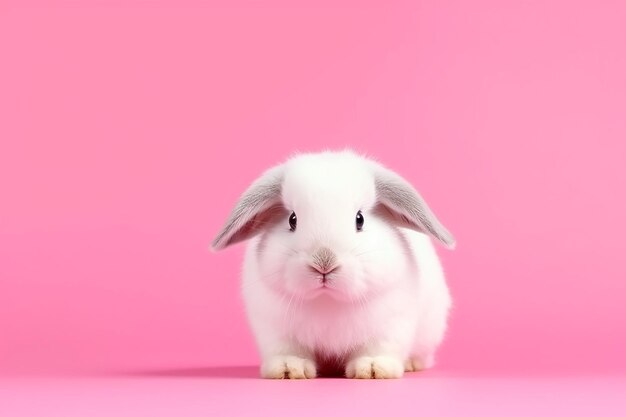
[{"x": 129, "y": 129}]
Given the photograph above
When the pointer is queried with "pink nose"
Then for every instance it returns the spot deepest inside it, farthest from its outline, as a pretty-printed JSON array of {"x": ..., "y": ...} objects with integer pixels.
[
  {"x": 324, "y": 261},
  {"x": 325, "y": 270}
]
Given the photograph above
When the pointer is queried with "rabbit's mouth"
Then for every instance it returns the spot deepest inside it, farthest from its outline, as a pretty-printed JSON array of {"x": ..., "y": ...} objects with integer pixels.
[
  {"x": 326, "y": 290},
  {"x": 322, "y": 289},
  {"x": 325, "y": 281}
]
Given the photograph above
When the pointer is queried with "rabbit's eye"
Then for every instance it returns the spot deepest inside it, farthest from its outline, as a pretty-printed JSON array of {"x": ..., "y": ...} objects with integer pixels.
[
  {"x": 359, "y": 221},
  {"x": 293, "y": 221}
]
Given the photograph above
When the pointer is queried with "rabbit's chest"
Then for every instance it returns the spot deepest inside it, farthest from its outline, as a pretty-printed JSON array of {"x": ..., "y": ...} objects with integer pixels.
[{"x": 335, "y": 332}]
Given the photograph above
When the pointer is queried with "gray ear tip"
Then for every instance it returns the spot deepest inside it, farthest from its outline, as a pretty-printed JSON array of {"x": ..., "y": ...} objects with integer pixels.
[
  {"x": 216, "y": 245},
  {"x": 449, "y": 241}
]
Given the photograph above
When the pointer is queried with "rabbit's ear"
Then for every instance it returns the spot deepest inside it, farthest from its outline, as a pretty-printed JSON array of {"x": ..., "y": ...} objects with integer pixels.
[
  {"x": 259, "y": 206},
  {"x": 399, "y": 201}
]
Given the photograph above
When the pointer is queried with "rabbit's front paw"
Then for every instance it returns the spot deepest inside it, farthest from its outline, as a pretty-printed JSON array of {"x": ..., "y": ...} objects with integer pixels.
[
  {"x": 288, "y": 367},
  {"x": 375, "y": 367}
]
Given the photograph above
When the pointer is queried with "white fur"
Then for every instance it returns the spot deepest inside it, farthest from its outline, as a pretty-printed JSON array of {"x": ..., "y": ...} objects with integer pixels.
[{"x": 383, "y": 311}]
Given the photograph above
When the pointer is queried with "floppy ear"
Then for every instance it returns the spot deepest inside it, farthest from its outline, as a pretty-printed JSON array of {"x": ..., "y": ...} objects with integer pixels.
[
  {"x": 258, "y": 206},
  {"x": 400, "y": 201}
]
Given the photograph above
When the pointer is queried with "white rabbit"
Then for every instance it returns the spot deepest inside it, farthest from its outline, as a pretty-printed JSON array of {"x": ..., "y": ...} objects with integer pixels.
[{"x": 340, "y": 273}]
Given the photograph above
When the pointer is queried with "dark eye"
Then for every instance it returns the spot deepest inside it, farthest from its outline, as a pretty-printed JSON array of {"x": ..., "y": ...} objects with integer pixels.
[
  {"x": 359, "y": 220},
  {"x": 293, "y": 221}
]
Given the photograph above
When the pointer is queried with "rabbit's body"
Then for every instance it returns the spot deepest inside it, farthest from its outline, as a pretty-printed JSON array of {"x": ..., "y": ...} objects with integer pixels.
[
  {"x": 410, "y": 317},
  {"x": 340, "y": 270}
]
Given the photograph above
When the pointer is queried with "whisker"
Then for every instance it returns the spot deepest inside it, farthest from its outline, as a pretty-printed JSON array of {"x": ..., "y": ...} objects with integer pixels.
[
  {"x": 287, "y": 316},
  {"x": 291, "y": 250},
  {"x": 254, "y": 279}
]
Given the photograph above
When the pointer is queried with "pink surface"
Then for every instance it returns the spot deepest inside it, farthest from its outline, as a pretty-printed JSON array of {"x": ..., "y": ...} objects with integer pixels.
[
  {"x": 435, "y": 394},
  {"x": 128, "y": 130}
]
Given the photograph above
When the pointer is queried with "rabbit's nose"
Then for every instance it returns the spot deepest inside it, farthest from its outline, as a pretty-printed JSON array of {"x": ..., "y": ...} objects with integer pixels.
[
  {"x": 323, "y": 271},
  {"x": 324, "y": 260}
]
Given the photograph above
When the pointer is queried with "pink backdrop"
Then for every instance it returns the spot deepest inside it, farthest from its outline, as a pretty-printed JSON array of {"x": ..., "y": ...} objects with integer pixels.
[{"x": 128, "y": 130}]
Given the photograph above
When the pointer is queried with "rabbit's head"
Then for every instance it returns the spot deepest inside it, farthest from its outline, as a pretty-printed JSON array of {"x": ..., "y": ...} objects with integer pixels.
[{"x": 328, "y": 225}]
